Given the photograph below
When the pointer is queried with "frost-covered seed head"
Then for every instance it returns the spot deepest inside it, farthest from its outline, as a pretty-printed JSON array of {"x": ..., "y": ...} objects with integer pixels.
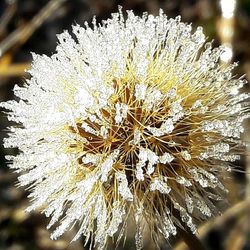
[{"x": 133, "y": 117}]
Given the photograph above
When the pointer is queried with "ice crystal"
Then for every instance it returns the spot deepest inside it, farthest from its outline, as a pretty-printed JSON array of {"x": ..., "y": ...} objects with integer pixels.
[{"x": 131, "y": 118}]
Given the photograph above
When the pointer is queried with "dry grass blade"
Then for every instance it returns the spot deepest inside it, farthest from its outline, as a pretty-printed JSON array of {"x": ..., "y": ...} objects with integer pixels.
[
  {"x": 237, "y": 238},
  {"x": 16, "y": 69},
  {"x": 21, "y": 35},
  {"x": 232, "y": 212},
  {"x": 6, "y": 17}
]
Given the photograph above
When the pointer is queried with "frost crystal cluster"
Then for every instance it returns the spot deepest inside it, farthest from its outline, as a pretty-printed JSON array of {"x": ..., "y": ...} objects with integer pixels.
[{"x": 134, "y": 118}]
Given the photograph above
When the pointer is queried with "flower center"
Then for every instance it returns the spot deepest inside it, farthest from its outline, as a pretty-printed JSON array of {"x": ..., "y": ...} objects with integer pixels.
[{"x": 148, "y": 134}]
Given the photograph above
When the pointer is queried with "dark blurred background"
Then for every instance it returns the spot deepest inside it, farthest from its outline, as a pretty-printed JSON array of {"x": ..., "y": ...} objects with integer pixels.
[{"x": 31, "y": 26}]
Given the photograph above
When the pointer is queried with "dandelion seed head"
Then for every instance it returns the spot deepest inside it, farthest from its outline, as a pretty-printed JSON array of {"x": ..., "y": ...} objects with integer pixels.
[{"x": 134, "y": 116}]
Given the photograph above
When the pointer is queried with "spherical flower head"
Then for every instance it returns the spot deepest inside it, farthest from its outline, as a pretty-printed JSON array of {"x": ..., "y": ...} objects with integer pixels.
[{"x": 134, "y": 118}]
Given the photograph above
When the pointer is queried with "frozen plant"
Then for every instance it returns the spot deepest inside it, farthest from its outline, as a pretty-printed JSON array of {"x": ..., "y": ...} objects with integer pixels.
[{"x": 131, "y": 118}]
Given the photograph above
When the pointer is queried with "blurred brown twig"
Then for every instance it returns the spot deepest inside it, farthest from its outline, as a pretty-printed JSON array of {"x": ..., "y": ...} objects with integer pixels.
[
  {"x": 232, "y": 212},
  {"x": 15, "y": 69},
  {"x": 6, "y": 17},
  {"x": 22, "y": 34}
]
